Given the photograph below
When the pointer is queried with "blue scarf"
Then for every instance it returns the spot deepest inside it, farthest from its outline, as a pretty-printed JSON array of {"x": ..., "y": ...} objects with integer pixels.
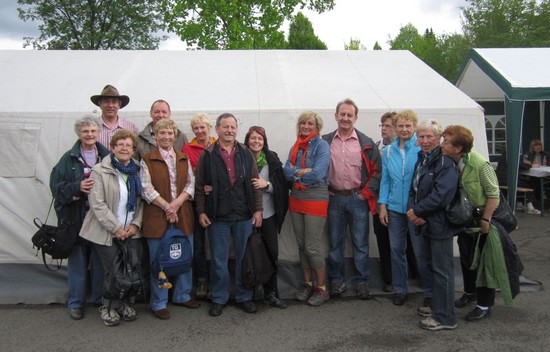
[{"x": 133, "y": 182}]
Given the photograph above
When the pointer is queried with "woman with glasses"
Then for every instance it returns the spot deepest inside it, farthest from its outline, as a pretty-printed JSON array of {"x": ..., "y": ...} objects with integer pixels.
[
  {"x": 115, "y": 212},
  {"x": 307, "y": 168},
  {"x": 71, "y": 184},
  {"x": 275, "y": 201}
]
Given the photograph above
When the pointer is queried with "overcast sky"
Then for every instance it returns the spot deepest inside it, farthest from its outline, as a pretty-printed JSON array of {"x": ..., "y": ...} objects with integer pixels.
[{"x": 367, "y": 20}]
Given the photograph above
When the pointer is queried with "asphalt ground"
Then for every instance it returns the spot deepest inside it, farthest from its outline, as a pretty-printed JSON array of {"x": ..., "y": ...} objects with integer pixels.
[{"x": 345, "y": 324}]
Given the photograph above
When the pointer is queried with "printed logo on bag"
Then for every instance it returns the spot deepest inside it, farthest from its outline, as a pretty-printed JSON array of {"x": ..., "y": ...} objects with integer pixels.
[{"x": 175, "y": 250}]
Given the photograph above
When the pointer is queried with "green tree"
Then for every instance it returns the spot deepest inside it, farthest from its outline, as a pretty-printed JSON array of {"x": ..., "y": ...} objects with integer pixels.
[
  {"x": 94, "y": 25},
  {"x": 354, "y": 44},
  {"x": 233, "y": 24},
  {"x": 453, "y": 49},
  {"x": 408, "y": 38},
  {"x": 302, "y": 36},
  {"x": 445, "y": 53},
  {"x": 507, "y": 23},
  {"x": 376, "y": 46}
]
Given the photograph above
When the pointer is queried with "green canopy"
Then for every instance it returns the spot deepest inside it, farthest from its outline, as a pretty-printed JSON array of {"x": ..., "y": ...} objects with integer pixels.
[{"x": 512, "y": 75}]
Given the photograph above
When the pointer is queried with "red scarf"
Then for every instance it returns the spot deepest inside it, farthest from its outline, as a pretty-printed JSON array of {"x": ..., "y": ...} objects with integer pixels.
[{"x": 303, "y": 144}]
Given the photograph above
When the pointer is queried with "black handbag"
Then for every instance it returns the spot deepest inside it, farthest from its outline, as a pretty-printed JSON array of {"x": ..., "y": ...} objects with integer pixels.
[
  {"x": 258, "y": 264},
  {"x": 503, "y": 214},
  {"x": 56, "y": 241},
  {"x": 460, "y": 211}
]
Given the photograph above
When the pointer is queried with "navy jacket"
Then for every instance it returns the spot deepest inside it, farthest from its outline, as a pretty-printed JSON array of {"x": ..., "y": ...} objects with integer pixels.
[{"x": 436, "y": 183}]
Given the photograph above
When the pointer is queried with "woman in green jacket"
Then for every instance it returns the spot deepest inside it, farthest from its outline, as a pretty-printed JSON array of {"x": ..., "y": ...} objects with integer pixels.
[
  {"x": 71, "y": 184},
  {"x": 481, "y": 185}
]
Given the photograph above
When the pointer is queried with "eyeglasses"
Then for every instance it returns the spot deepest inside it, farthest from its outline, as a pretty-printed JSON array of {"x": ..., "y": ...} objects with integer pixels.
[
  {"x": 124, "y": 146},
  {"x": 256, "y": 128}
]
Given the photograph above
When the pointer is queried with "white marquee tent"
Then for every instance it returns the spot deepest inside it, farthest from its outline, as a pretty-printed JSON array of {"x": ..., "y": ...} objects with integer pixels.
[{"x": 44, "y": 92}]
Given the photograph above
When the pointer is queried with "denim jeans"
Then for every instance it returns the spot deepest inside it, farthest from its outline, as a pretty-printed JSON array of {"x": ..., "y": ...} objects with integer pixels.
[
  {"x": 182, "y": 285},
  {"x": 353, "y": 211},
  {"x": 219, "y": 234},
  {"x": 82, "y": 258},
  {"x": 398, "y": 225},
  {"x": 440, "y": 263}
]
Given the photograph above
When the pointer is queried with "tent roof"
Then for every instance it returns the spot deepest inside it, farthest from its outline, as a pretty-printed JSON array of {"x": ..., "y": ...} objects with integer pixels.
[
  {"x": 519, "y": 73},
  {"x": 223, "y": 80}
]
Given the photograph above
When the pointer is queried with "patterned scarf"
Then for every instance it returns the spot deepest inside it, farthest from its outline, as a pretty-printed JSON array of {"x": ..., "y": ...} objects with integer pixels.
[
  {"x": 261, "y": 161},
  {"x": 133, "y": 182},
  {"x": 303, "y": 144}
]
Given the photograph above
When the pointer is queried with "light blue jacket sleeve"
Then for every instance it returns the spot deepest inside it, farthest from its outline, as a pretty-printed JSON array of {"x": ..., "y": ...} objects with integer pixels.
[{"x": 385, "y": 180}]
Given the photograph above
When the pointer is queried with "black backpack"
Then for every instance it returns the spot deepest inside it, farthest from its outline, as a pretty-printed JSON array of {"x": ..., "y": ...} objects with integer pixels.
[
  {"x": 126, "y": 276},
  {"x": 258, "y": 264}
]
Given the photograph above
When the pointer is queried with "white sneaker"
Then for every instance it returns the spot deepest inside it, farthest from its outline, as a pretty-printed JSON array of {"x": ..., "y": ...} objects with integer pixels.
[
  {"x": 533, "y": 211},
  {"x": 520, "y": 207},
  {"x": 110, "y": 317}
]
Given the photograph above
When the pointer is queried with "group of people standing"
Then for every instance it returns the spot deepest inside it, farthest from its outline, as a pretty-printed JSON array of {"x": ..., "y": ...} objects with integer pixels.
[{"x": 119, "y": 183}]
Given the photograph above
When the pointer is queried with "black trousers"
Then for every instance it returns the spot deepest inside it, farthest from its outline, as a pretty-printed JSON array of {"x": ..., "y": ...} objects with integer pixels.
[
  {"x": 384, "y": 250},
  {"x": 269, "y": 230},
  {"x": 466, "y": 245}
]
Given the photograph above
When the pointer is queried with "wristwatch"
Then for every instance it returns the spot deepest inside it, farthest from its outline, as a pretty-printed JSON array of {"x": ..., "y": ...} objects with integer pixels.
[{"x": 267, "y": 187}]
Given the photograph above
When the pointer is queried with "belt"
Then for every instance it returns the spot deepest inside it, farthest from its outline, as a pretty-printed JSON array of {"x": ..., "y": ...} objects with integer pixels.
[{"x": 344, "y": 192}]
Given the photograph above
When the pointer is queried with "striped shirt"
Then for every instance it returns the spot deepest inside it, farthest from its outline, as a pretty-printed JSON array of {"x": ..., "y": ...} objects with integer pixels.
[
  {"x": 150, "y": 193},
  {"x": 106, "y": 133}
]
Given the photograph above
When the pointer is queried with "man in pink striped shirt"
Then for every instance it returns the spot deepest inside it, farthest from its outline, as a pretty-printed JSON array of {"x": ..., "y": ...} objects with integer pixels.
[
  {"x": 354, "y": 178},
  {"x": 110, "y": 101}
]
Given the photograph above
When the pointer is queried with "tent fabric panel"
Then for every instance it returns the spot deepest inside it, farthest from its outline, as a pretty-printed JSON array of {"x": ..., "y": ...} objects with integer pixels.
[
  {"x": 521, "y": 67},
  {"x": 476, "y": 83}
]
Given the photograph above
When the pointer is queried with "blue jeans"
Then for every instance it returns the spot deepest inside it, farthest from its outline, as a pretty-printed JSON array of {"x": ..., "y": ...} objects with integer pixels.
[
  {"x": 82, "y": 258},
  {"x": 440, "y": 263},
  {"x": 219, "y": 234},
  {"x": 182, "y": 286},
  {"x": 353, "y": 211},
  {"x": 398, "y": 225}
]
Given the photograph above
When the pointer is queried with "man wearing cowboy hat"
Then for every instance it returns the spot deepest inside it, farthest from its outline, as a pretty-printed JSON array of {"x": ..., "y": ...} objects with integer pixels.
[{"x": 110, "y": 101}]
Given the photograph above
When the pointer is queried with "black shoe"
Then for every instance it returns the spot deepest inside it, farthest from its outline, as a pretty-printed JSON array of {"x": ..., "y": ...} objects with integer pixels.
[
  {"x": 216, "y": 310},
  {"x": 273, "y": 300},
  {"x": 465, "y": 299},
  {"x": 363, "y": 292},
  {"x": 76, "y": 313},
  {"x": 399, "y": 299},
  {"x": 478, "y": 314},
  {"x": 248, "y": 306}
]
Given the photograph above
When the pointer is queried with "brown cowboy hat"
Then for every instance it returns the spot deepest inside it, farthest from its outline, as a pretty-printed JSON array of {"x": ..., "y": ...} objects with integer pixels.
[{"x": 110, "y": 91}]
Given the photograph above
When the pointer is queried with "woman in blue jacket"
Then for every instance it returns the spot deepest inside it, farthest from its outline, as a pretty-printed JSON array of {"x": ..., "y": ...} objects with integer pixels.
[
  {"x": 398, "y": 161},
  {"x": 307, "y": 168},
  {"x": 434, "y": 186}
]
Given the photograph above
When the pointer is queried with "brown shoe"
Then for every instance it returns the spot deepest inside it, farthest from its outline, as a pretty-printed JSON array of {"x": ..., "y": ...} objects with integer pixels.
[
  {"x": 162, "y": 314},
  {"x": 192, "y": 304}
]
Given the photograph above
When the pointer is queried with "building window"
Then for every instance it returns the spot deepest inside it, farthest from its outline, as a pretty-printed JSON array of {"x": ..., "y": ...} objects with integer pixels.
[{"x": 495, "y": 127}]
